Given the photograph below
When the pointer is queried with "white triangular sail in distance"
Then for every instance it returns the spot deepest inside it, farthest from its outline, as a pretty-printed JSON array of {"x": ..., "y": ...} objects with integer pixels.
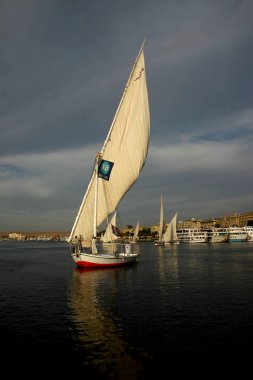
[
  {"x": 126, "y": 146},
  {"x": 173, "y": 224},
  {"x": 109, "y": 235},
  {"x": 136, "y": 231},
  {"x": 167, "y": 234},
  {"x": 170, "y": 235}
]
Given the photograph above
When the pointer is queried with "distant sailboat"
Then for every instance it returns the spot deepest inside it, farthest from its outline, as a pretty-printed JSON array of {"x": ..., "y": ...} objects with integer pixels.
[
  {"x": 170, "y": 235},
  {"x": 112, "y": 232},
  {"x": 117, "y": 167},
  {"x": 160, "y": 241},
  {"x": 136, "y": 233}
]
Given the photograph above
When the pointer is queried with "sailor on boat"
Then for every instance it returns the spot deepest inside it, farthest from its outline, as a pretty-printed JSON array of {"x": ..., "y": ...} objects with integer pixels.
[{"x": 76, "y": 244}]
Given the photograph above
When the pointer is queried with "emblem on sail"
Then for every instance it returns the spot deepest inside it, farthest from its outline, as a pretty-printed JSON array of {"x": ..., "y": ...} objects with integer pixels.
[{"x": 104, "y": 169}]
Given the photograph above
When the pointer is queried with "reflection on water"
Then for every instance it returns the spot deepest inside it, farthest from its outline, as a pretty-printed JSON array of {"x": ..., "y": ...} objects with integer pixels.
[
  {"x": 97, "y": 328},
  {"x": 168, "y": 266}
]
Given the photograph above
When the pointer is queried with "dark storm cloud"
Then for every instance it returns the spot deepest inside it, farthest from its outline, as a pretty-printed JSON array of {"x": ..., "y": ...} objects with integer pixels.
[{"x": 63, "y": 67}]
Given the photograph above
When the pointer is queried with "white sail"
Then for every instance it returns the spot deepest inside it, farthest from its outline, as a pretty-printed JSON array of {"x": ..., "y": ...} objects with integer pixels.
[
  {"x": 170, "y": 235},
  {"x": 174, "y": 227},
  {"x": 109, "y": 236},
  {"x": 126, "y": 146},
  {"x": 136, "y": 231},
  {"x": 167, "y": 233}
]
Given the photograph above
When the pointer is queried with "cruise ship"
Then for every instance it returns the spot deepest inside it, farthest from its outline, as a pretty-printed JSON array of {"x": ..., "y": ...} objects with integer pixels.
[
  {"x": 215, "y": 235},
  {"x": 183, "y": 235},
  {"x": 237, "y": 234},
  {"x": 218, "y": 235},
  {"x": 192, "y": 235},
  {"x": 249, "y": 231}
]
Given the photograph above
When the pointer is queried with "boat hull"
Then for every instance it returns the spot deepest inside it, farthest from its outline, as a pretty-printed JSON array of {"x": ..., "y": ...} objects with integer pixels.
[
  {"x": 237, "y": 237},
  {"x": 171, "y": 242},
  {"x": 158, "y": 243},
  {"x": 218, "y": 239},
  {"x": 88, "y": 260}
]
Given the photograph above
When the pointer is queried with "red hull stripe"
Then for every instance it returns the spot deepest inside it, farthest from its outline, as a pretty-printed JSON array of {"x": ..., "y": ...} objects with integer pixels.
[{"x": 86, "y": 264}]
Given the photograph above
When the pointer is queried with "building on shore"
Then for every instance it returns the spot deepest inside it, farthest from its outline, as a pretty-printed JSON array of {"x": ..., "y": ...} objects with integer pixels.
[{"x": 236, "y": 219}]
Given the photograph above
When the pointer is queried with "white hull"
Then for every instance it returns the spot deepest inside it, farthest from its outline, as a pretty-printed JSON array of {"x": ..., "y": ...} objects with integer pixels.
[
  {"x": 158, "y": 243},
  {"x": 236, "y": 235},
  {"x": 197, "y": 240},
  {"x": 249, "y": 231},
  {"x": 218, "y": 239},
  {"x": 171, "y": 242},
  {"x": 234, "y": 238},
  {"x": 218, "y": 235},
  {"x": 89, "y": 260}
]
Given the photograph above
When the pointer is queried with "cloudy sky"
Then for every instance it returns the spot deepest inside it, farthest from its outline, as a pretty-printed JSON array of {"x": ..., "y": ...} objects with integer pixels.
[{"x": 63, "y": 67}]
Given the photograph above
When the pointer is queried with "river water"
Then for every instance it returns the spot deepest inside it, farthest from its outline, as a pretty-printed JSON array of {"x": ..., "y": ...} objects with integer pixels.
[{"x": 185, "y": 309}]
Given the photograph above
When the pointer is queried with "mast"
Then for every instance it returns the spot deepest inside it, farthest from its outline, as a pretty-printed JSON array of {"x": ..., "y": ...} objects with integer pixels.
[
  {"x": 161, "y": 221},
  {"x": 93, "y": 242},
  {"x": 95, "y": 198}
]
